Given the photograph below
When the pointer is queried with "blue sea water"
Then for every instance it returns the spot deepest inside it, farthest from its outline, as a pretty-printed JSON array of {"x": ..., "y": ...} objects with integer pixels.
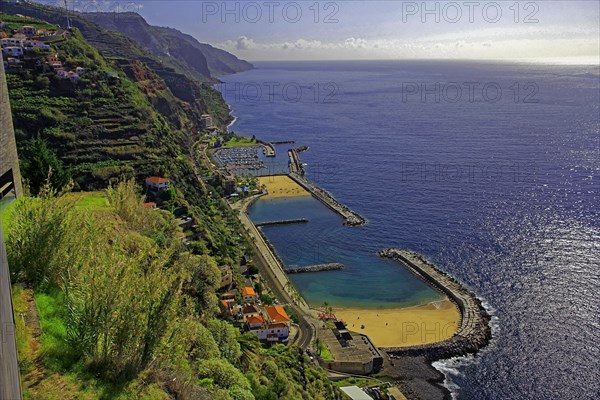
[{"x": 499, "y": 191}]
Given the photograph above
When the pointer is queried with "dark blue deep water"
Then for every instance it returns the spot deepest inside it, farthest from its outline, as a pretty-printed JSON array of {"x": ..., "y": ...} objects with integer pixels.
[{"x": 501, "y": 192}]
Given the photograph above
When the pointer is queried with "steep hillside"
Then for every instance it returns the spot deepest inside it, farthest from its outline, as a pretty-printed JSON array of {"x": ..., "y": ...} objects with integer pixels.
[
  {"x": 203, "y": 59},
  {"x": 182, "y": 83}
]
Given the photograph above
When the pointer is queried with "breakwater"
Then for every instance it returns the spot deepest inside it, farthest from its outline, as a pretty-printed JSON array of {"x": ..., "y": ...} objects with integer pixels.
[
  {"x": 351, "y": 218},
  {"x": 315, "y": 268},
  {"x": 282, "y": 222},
  {"x": 267, "y": 147},
  {"x": 295, "y": 164},
  {"x": 473, "y": 331},
  {"x": 283, "y": 142}
]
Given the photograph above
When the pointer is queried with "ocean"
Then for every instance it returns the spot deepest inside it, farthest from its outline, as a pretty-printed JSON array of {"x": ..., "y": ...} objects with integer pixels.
[{"x": 490, "y": 170}]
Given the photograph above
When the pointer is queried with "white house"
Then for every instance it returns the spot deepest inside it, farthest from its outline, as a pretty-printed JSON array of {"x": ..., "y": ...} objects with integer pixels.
[
  {"x": 273, "y": 332},
  {"x": 255, "y": 322},
  {"x": 13, "y": 51},
  {"x": 73, "y": 76},
  {"x": 10, "y": 42},
  {"x": 28, "y": 30},
  {"x": 80, "y": 71},
  {"x": 276, "y": 327},
  {"x": 157, "y": 183},
  {"x": 37, "y": 44}
]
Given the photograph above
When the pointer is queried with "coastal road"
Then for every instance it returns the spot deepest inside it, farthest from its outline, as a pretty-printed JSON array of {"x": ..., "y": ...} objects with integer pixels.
[{"x": 272, "y": 271}]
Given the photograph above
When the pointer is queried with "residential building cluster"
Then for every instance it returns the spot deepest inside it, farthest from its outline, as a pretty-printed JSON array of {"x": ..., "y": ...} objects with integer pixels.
[
  {"x": 268, "y": 323},
  {"x": 29, "y": 38}
]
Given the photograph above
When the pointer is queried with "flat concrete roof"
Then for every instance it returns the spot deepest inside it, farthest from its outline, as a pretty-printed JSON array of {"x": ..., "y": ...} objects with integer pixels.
[{"x": 355, "y": 393}]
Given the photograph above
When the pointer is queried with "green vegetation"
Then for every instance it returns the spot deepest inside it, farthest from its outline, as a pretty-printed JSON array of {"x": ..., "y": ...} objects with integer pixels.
[
  {"x": 322, "y": 350},
  {"x": 115, "y": 304},
  {"x": 240, "y": 141},
  {"x": 13, "y": 22},
  {"x": 362, "y": 382},
  {"x": 110, "y": 304},
  {"x": 291, "y": 313}
]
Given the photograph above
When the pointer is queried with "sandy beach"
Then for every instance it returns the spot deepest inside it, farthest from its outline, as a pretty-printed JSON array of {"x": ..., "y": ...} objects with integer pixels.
[
  {"x": 423, "y": 324},
  {"x": 280, "y": 186}
]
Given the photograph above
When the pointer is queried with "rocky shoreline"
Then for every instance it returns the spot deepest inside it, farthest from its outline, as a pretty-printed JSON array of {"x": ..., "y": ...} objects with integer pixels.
[
  {"x": 474, "y": 331},
  {"x": 411, "y": 366}
]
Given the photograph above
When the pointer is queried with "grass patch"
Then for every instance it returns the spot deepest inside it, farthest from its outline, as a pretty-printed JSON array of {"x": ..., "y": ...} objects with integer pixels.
[
  {"x": 360, "y": 382},
  {"x": 91, "y": 201},
  {"x": 6, "y": 214},
  {"x": 323, "y": 352},
  {"x": 20, "y": 308},
  {"x": 240, "y": 141},
  {"x": 58, "y": 354}
]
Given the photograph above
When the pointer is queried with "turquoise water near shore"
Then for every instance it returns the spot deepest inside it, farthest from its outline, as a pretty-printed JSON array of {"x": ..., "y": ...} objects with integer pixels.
[
  {"x": 368, "y": 281},
  {"x": 503, "y": 195}
]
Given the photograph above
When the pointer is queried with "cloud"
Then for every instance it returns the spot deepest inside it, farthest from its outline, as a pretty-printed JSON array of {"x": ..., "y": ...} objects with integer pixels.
[
  {"x": 478, "y": 46},
  {"x": 244, "y": 43}
]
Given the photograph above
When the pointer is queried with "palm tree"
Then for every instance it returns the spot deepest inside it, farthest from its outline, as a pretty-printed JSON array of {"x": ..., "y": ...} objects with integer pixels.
[{"x": 250, "y": 346}]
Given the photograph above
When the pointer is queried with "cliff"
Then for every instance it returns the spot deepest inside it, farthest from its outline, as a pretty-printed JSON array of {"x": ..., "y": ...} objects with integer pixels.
[{"x": 202, "y": 60}]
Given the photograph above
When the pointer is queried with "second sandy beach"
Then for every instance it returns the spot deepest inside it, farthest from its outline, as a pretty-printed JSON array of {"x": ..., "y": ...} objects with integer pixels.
[{"x": 399, "y": 327}]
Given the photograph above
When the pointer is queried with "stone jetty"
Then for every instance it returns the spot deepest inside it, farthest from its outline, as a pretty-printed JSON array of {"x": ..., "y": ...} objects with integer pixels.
[
  {"x": 473, "y": 331},
  {"x": 283, "y": 222},
  {"x": 295, "y": 164},
  {"x": 315, "y": 268},
  {"x": 350, "y": 217},
  {"x": 268, "y": 148}
]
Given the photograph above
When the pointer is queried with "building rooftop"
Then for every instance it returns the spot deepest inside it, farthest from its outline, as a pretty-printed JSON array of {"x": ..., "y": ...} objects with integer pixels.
[
  {"x": 277, "y": 314},
  {"x": 248, "y": 291},
  {"x": 156, "y": 179},
  {"x": 250, "y": 309},
  {"x": 255, "y": 320},
  {"x": 355, "y": 393}
]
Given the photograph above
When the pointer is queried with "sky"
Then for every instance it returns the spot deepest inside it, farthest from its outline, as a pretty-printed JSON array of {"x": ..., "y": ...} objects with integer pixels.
[{"x": 316, "y": 30}]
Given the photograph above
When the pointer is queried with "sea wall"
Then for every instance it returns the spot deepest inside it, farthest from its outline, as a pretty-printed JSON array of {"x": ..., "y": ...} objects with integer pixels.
[
  {"x": 282, "y": 222},
  {"x": 473, "y": 331},
  {"x": 351, "y": 218},
  {"x": 315, "y": 268}
]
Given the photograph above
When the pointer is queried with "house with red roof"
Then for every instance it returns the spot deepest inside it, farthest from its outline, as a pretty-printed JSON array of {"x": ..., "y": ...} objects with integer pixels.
[
  {"x": 275, "y": 326},
  {"x": 277, "y": 314},
  {"x": 157, "y": 183},
  {"x": 248, "y": 294},
  {"x": 150, "y": 204},
  {"x": 255, "y": 322}
]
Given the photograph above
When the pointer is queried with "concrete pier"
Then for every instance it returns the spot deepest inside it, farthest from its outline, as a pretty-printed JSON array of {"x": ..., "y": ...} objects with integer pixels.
[
  {"x": 283, "y": 222},
  {"x": 295, "y": 164},
  {"x": 351, "y": 218},
  {"x": 473, "y": 331},
  {"x": 316, "y": 268}
]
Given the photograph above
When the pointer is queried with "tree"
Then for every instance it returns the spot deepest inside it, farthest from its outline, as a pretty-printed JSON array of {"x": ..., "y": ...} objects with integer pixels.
[
  {"x": 43, "y": 166},
  {"x": 226, "y": 337},
  {"x": 222, "y": 373},
  {"x": 250, "y": 348}
]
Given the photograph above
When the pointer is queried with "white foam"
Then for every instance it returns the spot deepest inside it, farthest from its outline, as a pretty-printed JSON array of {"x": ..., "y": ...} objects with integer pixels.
[{"x": 451, "y": 367}]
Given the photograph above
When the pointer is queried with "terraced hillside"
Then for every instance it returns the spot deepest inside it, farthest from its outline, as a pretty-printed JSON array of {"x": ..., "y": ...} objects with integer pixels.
[{"x": 187, "y": 85}]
